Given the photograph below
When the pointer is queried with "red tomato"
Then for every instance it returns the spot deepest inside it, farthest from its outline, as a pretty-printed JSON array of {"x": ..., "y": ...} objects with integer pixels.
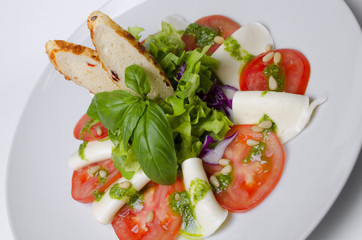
[
  {"x": 223, "y": 25},
  {"x": 131, "y": 224},
  {"x": 294, "y": 64},
  {"x": 81, "y": 132},
  {"x": 253, "y": 181},
  {"x": 83, "y": 185}
]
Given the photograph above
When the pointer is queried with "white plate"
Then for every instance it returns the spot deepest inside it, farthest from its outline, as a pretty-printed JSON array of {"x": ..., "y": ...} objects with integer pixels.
[{"x": 318, "y": 161}]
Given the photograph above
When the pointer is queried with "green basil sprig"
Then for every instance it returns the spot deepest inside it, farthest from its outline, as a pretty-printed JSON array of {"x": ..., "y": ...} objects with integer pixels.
[{"x": 138, "y": 127}]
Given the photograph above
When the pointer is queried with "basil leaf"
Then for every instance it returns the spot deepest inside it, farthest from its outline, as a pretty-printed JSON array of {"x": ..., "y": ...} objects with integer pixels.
[
  {"x": 130, "y": 119},
  {"x": 92, "y": 109},
  {"x": 109, "y": 107},
  {"x": 154, "y": 146},
  {"x": 137, "y": 80}
]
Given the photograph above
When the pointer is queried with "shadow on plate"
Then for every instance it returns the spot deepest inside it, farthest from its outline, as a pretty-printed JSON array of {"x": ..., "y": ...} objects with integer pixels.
[{"x": 347, "y": 202}]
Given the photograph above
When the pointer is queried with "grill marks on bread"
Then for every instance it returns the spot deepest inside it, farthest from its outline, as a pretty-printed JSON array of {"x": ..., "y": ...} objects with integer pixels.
[
  {"x": 104, "y": 69},
  {"x": 118, "y": 49},
  {"x": 79, "y": 64}
]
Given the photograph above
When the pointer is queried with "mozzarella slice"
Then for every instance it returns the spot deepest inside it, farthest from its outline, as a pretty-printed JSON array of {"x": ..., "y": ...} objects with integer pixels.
[
  {"x": 178, "y": 22},
  {"x": 254, "y": 39},
  {"x": 209, "y": 214},
  {"x": 95, "y": 151},
  {"x": 290, "y": 112},
  {"x": 104, "y": 210}
]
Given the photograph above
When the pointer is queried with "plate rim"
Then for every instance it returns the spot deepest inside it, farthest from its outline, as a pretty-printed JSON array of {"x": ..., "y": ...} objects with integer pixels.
[{"x": 48, "y": 69}]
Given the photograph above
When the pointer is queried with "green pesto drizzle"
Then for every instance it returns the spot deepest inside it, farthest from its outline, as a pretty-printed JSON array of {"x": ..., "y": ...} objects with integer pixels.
[
  {"x": 198, "y": 190},
  {"x": 278, "y": 74},
  {"x": 267, "y": 118},
  {"x": 104, "y": 179},
  {"x": 97, "y": 195},
  {"x": 224, "y": 181},
  {"x": 204, "y": 35},
  {"x": 264, "y": 93},
  {"x": 257, "y": 152},
  {"x": 136, "y": 202},
  {"x": 129, "y": 195},
  {"x": 235, "y": 50},
  {"x": 86, "y": 128},
  {"x": 183, "y": 207},
  {"x": 81, "y": 150}
]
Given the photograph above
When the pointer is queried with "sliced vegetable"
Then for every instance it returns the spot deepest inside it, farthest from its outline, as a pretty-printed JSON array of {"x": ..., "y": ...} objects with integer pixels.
[
  {"x": 223, "y": 26},
  {"x": 156, "y": 219},
  {"x": 229, "y": 92},
  {"x": 217, "y": 99},
  {"x": 205, "y": 148},
  {"x": 213, "y": 155},
  {"x": 291, "y": 74},
  {"x": 85, "y": 187},
  {"x": 89, "y": 129},
  {"x": 256, "y": 169}
]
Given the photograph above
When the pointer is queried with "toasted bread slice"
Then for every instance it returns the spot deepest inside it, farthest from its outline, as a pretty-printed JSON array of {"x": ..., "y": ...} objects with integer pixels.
[
  {"x": 79, "y": 64},
  {"x": 118, "y": 49}
]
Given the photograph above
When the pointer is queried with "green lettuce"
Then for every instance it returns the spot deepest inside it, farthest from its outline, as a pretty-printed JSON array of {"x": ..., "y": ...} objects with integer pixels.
[
  {"x": 168, "y": 49},
  {"x": 191, "y": 122},
  {"x": 135, "y": 31}
]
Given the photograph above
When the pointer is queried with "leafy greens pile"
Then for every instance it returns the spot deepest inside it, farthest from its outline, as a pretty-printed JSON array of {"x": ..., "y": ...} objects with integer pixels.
[{"x": 156, "y": 134}]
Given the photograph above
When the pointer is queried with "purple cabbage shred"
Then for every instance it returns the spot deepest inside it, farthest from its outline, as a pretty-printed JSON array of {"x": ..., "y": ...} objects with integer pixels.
[
  {"x": 217, "y": 99},
  {"x": 182, "y": 70},
  {"x": 205, "y": 148}
]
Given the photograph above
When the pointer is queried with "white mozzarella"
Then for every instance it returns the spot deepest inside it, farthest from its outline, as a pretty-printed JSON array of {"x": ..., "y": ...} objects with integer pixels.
[
  {"x": 209, "y": 214},
  {"x": 105, "y": 209},
  {"x": 290, "y": 112},
  {"x": 178, "y": 22},
  {"x": 253, "y": 38},
  {"x": 95, "y": 151}
]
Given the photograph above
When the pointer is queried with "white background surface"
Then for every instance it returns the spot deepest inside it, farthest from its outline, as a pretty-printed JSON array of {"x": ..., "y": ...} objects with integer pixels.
[{"x": 27, "y": 25}]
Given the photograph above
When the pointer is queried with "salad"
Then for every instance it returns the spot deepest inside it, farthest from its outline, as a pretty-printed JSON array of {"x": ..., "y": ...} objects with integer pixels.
[{"x": 158, "y": 167}]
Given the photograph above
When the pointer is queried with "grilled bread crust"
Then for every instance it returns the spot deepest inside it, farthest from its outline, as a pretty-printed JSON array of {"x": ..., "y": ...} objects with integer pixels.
[
  {"x": 79, "y": 64},
  {"x": 118, "y": 49}
]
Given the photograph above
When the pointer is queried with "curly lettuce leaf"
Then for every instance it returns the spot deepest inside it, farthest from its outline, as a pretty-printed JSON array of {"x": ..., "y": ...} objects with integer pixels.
[
  {"x": 198, "y": 74},
  {"x": 191, "y": 121},
  {"x": 135, "y": 31},
  {"x": 168, "y": 49}
]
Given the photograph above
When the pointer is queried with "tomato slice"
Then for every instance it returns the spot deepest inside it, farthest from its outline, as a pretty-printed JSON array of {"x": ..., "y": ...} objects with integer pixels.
[
  {"x": 293, "y": 63},
  {"x": 83, "y": 185},
  {"x": 130, "y": 224},
  {"x": 223, "y": 25},
  {"x": 81, "y": 131},
  {"x": 252, "y": 181}
]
